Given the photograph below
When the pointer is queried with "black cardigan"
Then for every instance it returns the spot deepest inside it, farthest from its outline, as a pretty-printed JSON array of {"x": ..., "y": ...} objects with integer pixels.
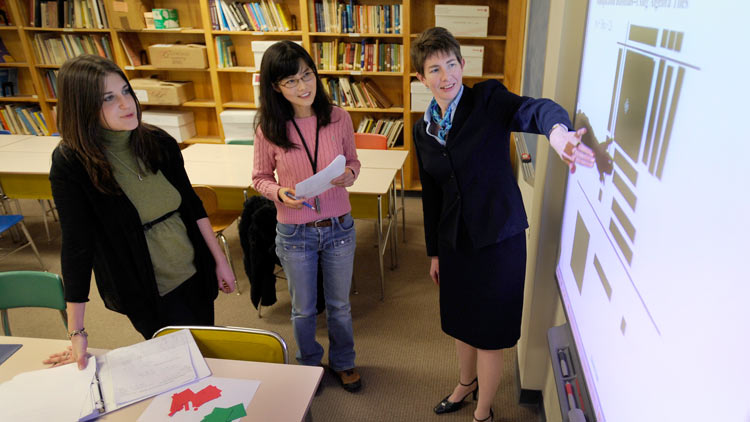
[
  {"x": 104, "y": 232},
  {"x": 471, "y": 179}
]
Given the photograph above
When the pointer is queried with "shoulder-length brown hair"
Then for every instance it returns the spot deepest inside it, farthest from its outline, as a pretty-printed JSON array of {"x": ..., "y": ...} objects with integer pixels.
[{"x": 80, "y": 97}]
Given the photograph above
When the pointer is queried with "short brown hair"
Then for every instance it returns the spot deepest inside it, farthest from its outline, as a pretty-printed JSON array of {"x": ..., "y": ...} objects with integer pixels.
[{"x": 433, "y": 41}]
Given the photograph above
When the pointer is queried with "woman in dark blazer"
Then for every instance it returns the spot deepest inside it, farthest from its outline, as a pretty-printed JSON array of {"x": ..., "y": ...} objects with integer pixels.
[
  {"x": 473, "y": 213},
  {"x": 127, "y": 211}
]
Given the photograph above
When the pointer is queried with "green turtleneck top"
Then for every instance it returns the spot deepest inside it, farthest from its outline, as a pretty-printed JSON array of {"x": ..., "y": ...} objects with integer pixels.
[{"x": 170, "y": 248}]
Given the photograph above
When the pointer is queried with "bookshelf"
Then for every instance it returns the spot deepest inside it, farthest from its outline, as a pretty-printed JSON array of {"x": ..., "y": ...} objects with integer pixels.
[{"x": 227, "y": 88}]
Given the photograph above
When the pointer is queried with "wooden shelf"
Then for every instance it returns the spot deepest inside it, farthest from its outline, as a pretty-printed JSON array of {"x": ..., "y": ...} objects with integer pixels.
[
  {"x": 218, "y": 89},
  {"x": 84, "y": 30},
  {"x": 20, "y": 99},
  {"x": 259, "y": 33},
  {"x": 355, "y": 35}
]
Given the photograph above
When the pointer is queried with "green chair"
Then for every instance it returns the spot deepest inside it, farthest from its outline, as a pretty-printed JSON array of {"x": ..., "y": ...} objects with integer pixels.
[
  {"x": 240, "y": 142},
  {"x": 236, "y": 343},
  {"x": 20, "y": 289}
]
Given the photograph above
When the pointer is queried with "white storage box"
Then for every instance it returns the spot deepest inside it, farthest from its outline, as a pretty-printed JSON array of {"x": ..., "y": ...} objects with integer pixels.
[
  {"x": 260, "y": 47},
  {"x": 474, "y": 57},
  {"x": 463, "y": 21},
  {"x": 179, "y": 124},
  {"x": 256, "y": 89},
  {"x": 238, "y": 125},
  {"x": 420, "y": 96}
]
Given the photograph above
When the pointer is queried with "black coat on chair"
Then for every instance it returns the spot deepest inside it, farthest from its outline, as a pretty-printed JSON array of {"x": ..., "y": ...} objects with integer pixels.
[{"x": 257, "y": 229}]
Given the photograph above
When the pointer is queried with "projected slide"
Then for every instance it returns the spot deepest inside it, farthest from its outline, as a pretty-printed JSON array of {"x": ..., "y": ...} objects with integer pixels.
[{"x": 655, "y": 236}]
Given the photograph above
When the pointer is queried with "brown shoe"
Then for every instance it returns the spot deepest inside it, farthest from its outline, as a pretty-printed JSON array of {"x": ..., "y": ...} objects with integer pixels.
[{"x": 350, "y": 379}]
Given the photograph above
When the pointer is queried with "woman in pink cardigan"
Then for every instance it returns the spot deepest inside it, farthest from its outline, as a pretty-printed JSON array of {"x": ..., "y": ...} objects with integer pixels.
[{"x": 298, "y": 133}]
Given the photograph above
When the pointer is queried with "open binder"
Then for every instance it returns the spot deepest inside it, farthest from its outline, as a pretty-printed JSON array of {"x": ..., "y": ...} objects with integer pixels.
[{"x": 111, "y": 381}]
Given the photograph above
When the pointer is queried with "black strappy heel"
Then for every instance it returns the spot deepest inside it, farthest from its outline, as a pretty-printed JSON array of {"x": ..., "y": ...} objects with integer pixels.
[
  {"x": 447, "y": 406},
  {"x": 489, "y": 418}
]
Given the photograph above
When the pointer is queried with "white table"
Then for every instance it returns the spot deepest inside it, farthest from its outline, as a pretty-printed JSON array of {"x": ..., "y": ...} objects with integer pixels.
[
  {"x": 9, "y": 139},
  {"x": 388, "y": 159},
  {"x": 285, "y": 391},
  {"x": 230, "y": 167}
]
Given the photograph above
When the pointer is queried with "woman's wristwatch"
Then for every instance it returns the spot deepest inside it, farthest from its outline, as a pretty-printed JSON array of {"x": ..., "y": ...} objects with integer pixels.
[{"x": 81, "y": 332}]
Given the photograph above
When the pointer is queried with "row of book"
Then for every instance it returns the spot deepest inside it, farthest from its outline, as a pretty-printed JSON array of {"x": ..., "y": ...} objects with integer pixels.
[
  {"x": 225, "y": 54},
  {"x": 265, "y": 15},
  {"x": 364, "y": 56},
  {"x": 391, "y": 127},
  {"x": 23, "y": 120},
  {"x": 50, "y": 80},
  {"x": 68, "y": 14},
  {"x": 55, "y": 49},
  {"x": 341, "y": 17},
  {"x": 356, "y": 94}
]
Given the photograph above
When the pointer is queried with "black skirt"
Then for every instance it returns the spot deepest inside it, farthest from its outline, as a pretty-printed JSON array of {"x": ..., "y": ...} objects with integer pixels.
[{"x": 481, "y": 291}]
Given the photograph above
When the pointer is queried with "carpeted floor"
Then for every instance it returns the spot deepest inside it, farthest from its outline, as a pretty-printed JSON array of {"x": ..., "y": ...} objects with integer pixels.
[{"x": 407, "y": 363}]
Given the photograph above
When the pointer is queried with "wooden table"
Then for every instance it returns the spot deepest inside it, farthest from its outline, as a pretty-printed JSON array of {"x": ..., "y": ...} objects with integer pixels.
[
  {"x": 228, "y": 169},
  {"x": 285, "y": 391}
]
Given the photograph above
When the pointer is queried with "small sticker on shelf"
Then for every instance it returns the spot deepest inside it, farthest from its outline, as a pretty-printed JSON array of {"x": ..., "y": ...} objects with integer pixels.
[
  {"x": 257, "y": 33},
  {"x": 141, "y": 94},
  {"x": 356, "y": 72},
  {"x": 68, "y": 29},
  {"x": 129, "y": 67},
  {"x": 354, "y": 34}
]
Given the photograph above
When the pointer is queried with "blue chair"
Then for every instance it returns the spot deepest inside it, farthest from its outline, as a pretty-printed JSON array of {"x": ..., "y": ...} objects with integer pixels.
[{"x": 8, "y": 221}]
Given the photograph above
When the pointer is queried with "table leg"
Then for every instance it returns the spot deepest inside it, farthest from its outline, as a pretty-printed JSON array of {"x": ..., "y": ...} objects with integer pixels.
[
  {"x": 393, "y": 225},
  {"x": 380, "y": 247},
  {"x": 403, "y": 206}
]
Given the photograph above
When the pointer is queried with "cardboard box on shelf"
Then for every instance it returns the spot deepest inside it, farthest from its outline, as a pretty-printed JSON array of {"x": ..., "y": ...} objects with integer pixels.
[
  {"x": 474, "y": 57},
  {"x": 128, "y": 14},
  {"x": 182, "y": 56},
  {"x": 420, "y": 96},
  {"x": 179, "y": 124},
  {"x": 154, "y": 91},
  {"x": 463, "y": 21},
  {"x": 238, "y": 125}
]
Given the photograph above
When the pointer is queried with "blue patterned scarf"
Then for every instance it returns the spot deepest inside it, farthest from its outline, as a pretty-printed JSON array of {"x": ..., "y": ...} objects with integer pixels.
[{"x": 444, "y": 123}]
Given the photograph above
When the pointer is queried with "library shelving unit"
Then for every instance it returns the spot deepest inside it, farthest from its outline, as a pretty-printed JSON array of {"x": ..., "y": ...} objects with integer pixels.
[{"x": 218, "y": 89}]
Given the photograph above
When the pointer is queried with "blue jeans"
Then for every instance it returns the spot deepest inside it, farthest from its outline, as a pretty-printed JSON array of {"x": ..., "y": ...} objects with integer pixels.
[{"x": 299, "y": 247}]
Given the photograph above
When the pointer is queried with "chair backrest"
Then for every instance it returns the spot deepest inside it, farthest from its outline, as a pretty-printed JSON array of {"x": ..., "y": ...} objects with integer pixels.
[
  {"x": 236, "y": 343},
  {"x": 240, "y": 142},
  {"x": 20, "y": 289},
  {"x": 370, "y": 141},
  {"x": 208, "y": 197}
]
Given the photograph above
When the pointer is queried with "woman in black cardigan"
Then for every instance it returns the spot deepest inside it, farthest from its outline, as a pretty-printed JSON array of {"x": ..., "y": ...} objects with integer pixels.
[
  {"x": 127, "y": 211},
  {"x": 473, "y": 214}
]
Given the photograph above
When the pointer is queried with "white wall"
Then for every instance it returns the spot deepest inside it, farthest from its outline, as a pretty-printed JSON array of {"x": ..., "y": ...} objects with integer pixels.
[{"x": 542, "y": 307}]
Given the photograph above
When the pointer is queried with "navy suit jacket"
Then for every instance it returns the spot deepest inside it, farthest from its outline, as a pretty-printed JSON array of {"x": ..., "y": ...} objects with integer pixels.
[{"x": 469, "y": 182}]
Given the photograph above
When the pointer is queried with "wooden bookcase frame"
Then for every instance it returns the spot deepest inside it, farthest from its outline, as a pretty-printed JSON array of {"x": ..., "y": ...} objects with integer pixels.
[{"x": 219, "y": 89}]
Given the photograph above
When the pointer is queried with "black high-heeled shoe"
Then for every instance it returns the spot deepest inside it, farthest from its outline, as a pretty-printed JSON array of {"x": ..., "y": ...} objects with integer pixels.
[
  {"x": 447, "y": 406},
  {"x": 490, "y": 418}
]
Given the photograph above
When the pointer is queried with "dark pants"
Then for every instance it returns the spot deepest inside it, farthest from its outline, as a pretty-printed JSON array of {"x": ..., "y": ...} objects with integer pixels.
[{"x": 182, "y": 306}]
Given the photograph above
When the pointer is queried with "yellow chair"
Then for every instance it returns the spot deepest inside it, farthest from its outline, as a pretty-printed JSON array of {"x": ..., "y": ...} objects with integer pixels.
[
  {"x": 220, "y": 219},
  {"x": 22, "y": 289},
  {"x": 236, "y": 343}
]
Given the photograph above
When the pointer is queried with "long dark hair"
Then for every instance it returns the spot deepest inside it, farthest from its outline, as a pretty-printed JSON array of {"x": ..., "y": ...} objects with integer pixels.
[
  {"x": 281, "y": 60},
  {"x": 80, "y": 97}
]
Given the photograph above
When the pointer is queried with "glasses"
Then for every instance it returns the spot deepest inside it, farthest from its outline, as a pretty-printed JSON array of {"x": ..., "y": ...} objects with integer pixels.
[{"x": 293, "y": 82}]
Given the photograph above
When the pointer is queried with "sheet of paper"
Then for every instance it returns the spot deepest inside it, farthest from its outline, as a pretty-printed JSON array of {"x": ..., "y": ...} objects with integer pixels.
[
  {"x": 54, "y": 394},
  {"x": 321, "y": 181},
  {"x": 145, "y": 369},
  {"x": 233, "y": 392}
]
